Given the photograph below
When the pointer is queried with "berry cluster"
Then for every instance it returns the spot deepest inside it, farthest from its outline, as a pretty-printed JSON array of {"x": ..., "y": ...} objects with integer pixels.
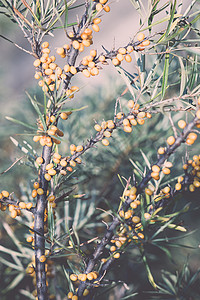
[{"x": 13, "y": 207}]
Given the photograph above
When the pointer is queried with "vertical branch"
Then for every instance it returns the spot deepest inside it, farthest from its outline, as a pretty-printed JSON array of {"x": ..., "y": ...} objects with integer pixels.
[{"x": 39, "y": 228}]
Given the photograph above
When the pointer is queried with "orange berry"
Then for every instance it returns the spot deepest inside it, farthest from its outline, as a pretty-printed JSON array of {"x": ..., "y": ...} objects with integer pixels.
[
  {"x": 155, "y": 168},
  {"x": 42, "y": 258},
  {"x": 95, "y": 27},
  {"x": 97, "y": 127},
  {"x": 76, "y": 44},
  {"x": 86, "y": 73},
  {"x": 82, "y": 277},
  {"x": 178, "y": 186},
  {"x": 36, "y": 63},
  {"x": 45, "y": 45},
  {"x": 60, "y": 51},
  {"x": 128, "y": 58},
  {"x": 34, "y": 193},
  {"x": 39, "y": 160},
  {"x": 135, "y": 219},
  {"x": 181, "y": 124},
  {"x": 140, "y": 37},
  {"x": 105, "y": 142},
  {"x": 29, "y": 205},
  {"x": 161, "y": 150},
  {"x": 22, "y": 205},
  {"x": 145, "y": 43},
  {"x": 102, "y": 58},
  {"x": 96, "y": 20},
  {"x": 130, "y": 49},
  {"x": 73, "y": 70},
  {"x": 5, "y": 194},
  {"x": 115, "y": 61},
  {"x": 40, "y": 191},
  {"x": 73, "y": 277},
  {"x": 70, "y": 295},
  {"x": 166, "y": 171},
  {"x": 99, "y": 6},
  {"x": 198, "y": 114},
  {"x": 192, "y": 136},
  {"x": 122, "y": 50},
  {"x": 52, "y": 172},
  {"x": 13, "y": 214},
  {"x": 171, "y": 140},
  {"x": 116, "y": 255},
  {"x": 47, "y": 177},
  {"x": 29, "y": 239},
  {"x": 79, "y": 148}
]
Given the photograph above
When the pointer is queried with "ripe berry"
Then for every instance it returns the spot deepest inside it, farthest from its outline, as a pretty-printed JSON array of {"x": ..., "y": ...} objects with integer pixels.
[
  {"x": 40, "y": 191},
  {"x": 140, "y": 37},
  {"x": 181, "y": 124},
  {"x": 5, "y": 194},
  {"x": 171, "y": 140},
  {"x": 42, "y": 258},
  {"x": 105, "y": 142},
  {"x": 36, "y": 63}
]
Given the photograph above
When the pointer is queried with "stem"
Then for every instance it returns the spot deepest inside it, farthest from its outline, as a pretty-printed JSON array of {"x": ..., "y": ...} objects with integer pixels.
[{"x": 39, "y": 227}]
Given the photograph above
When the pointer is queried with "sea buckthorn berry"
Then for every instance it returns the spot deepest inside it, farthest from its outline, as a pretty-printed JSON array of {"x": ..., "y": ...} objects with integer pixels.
[
  {"x": 73, "y": 70},
  {"x": 191, "y": 188},
  {"x": 52, "y": 172},
  {"x": 128, "y": 58},
  {"x": 141, "y": 121},
  {"x": 13, "y": 214},
  {"x": 127, "y": 129},
  {"x": 22, "y": 205},
  {"x": 11, "y": 207},
  {"x": 29, "y": 205},
  {"x": 3, "y": 207},
  {"x": 42, "y": 258},
  {"x": 181, "y": 124},
  {"x": 75, "y": 297},
  {"x": 122, "y": 50},
  {"x": 166, "y": 190},
  {"x": 145, "y": 43},
  {"x": 5, "y": 194},
  {"x": 133, "y": 122},
  {"x": 72, "y": 163},
  {"x": 86, "y": 43},
  {"x": 133, "y": 190},
  {"x": 47, "y": 177},
  {"x": 135, "y": 219},
  {"x": 39, "y": 160},
  {"x": 63, "y": 163},
  {"x": 185, "y": 166},
  {"x": 86, "y": 292},
  {"x": 105, "y": 142},
  {"x": 178, "y": 186},
  {"x": 86, "y": 73},
  {"x": 45, "y": 45},
  {"x": 192, "y": 136},
  {"x": 196, "y": 183},
  {"x": 126, "y": 122},
  {"x": 155, "y": 175},
  {"x": 30, "y": 270},
  {"x": 99, "y": 6},
  {"x": 170, "y": 140},
  {"x": 34, "y": 193},
  {"x": 161, "y": 150},
  {"x": 141, "y": 114},
  {"x": 119, "y": 115},
  {"x": 115, "y": 61},
  {"x": 148, "y": 192},
  {"x": 70, "y": 295},
  {"x": 130, "y": 104},
  {"x": 116, "y": 255},
  {"x": 110, "y": 124},
  {"x": 168, "y": 164},
  {"x": 94, "y": 71},
  {"x": 72, "y": 147},
  {"x": 76, "y": 44},
  {"x": 60, "y": 51},
  {"x": 166, "y": 171},
  {"x": 140, "y": 37},
  {"x": 120, "y": 57},
  {"x": 95, "y": 27},
  {"x": 64, "y": 116},
  {"x": 82, "y": 277},
  {"x": 29, "y": 239},
  {"x": 36, "y": 63},
  {"x": 90, "y": 276},
  {"x": 141, "y": 235},
  {"x": 198, "y": 114},
  {"x": 128, "y": 214},
  {"x": 130, "y": 49},
  {"x": 40, "y": 191},
  {"x": 121, "y": 213},
  {"x": 102, "y": 58},
  {"x": 118, "y": 244},
  {"x": 38, "y": 75},
  {"x": 147, "y": 216},
  {"x": 49, "y": 166},
  {"x": 155, "y": 168},
  {"x": 57, "y": 155},
  {"x": 79, "y": 148},
  {"x": 107, "y": 133},
  {"x": 91, "y": 64}
]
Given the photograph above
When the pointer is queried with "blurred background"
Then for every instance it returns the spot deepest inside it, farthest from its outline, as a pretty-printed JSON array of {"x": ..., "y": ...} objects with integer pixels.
[{"x": 98, "y": 173}]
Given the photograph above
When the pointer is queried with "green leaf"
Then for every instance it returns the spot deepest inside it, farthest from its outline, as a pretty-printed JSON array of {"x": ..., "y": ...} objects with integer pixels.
[
  {"x": 183, "y": 76},
  {"x": 36, "y": 107},
  {"x": 14, "y": 283},
  {"x": 21, "y": 123},
  {"x": 165, "y": 74}
]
